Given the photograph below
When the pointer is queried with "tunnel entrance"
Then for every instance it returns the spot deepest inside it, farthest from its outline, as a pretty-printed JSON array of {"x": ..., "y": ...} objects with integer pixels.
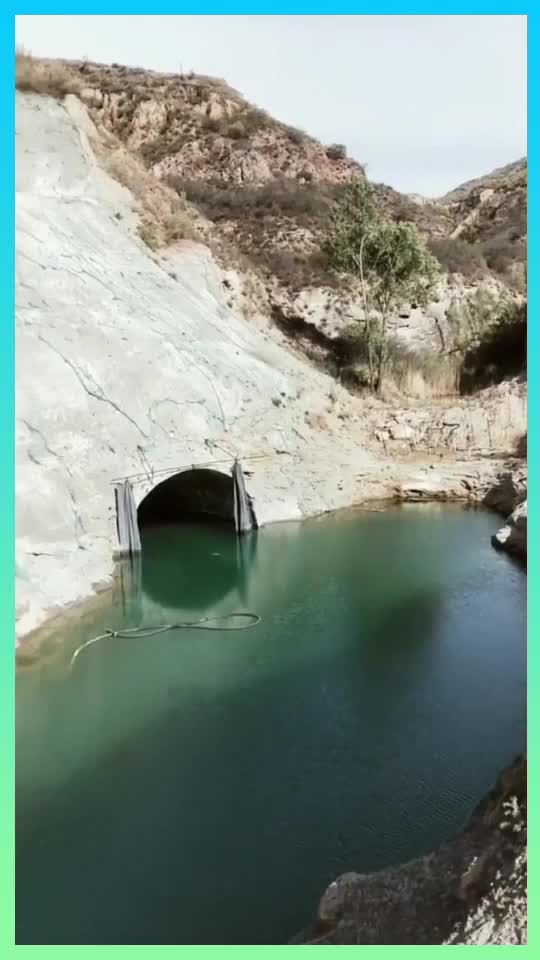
[
  {"x": 203, "y": 556},
  {"x": 197, "y": 495}
]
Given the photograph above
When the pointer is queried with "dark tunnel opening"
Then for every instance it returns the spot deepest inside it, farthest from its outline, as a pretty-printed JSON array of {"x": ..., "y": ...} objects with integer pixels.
[
  {"x": 193, "y": 496},
  {"x": 192, "y": 567}
]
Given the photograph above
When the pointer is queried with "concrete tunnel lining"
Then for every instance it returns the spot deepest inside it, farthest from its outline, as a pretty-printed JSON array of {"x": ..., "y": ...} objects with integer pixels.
[{"x": 197, "y": 494}]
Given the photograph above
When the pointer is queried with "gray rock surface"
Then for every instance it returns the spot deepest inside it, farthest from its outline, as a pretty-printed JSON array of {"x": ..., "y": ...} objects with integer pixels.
[
  {"x": 473, "y": 889},
  {"x": 130, "y": 364},
  {"x": 509, "y": 491},
  {"x": 513, "y": 536}
]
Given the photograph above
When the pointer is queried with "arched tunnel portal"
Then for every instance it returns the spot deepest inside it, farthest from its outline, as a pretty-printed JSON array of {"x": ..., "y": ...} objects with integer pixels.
[
  {"x": 197, "y": 495},
  {"x": 194, "y": 496}
]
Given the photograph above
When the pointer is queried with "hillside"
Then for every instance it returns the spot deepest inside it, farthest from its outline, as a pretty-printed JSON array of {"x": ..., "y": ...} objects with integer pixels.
[
  {"x": 156, "y": 371},
  {"x": 154, "y": 339},
  {"x": 197, "y": 128},
  {"x": 490, "y": 214},
  {"x": 259, "y": 193}
]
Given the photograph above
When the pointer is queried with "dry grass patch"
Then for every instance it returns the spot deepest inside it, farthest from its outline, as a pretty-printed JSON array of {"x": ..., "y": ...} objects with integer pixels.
[
  {"x": 165, "y": 216},
  {"x": 50, "y": 78},
  {"x": 458, "y": 256},
  {"x": 273, "y": 224}
]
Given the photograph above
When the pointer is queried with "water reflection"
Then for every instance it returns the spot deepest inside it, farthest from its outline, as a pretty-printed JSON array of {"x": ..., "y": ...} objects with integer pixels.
[
  {"x": 192, "y": 568},
  {"x": 246, "y": 558},
  {"x": 127, "y": 591}
]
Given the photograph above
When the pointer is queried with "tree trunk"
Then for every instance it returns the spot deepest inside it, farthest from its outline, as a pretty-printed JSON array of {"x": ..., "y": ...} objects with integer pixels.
[
  {"x": 371, "y": 363},
  {"x": 382, "y": 354}
]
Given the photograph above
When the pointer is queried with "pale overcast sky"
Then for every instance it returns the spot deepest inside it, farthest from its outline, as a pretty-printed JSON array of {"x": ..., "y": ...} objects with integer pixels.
[{"x": 426, "y": 102}]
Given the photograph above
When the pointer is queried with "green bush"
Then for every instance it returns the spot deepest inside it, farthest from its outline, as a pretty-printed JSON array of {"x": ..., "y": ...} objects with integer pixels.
[{"x": 390, "y": 260}]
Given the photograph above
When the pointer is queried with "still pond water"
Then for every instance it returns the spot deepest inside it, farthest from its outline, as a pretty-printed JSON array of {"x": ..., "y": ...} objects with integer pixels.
[{"x": 205, "y": 787}]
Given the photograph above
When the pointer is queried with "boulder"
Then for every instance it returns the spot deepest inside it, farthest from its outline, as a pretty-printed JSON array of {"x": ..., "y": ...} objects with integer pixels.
[
  {"x": 509, "y": 491},
  {"x": 513, "y": 536}
]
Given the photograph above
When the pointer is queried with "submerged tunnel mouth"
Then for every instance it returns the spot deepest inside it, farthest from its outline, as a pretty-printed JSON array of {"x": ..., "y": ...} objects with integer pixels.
[
  {"x": 198, "y": 495},
  {"x": 217, "y": 561}
]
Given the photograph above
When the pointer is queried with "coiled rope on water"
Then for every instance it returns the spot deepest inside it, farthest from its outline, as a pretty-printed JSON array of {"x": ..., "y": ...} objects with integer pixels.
[{"x": 205, "y": 623}]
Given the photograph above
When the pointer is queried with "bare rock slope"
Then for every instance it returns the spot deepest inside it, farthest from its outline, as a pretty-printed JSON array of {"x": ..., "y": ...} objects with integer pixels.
[
  {"x": 131, "y": 364},
  {"x": 261, "y": 193}
]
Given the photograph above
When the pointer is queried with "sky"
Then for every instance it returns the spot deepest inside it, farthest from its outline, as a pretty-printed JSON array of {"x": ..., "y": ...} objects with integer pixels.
[{"x": 425, "y": 102}]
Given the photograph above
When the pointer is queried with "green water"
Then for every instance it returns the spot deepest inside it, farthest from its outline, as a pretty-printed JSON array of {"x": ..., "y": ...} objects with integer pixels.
[{"x": 206, "y": 787}]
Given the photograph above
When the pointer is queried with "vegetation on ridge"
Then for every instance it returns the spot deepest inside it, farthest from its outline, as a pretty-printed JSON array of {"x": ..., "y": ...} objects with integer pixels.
[{"x": 205, "y": 164}]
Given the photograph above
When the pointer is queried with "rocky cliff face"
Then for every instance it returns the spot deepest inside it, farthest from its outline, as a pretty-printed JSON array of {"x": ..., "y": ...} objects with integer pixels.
[
  {"x": 131, "y": 362},
  {"x": 138, "y": 353},
  {"x": 492, "y": 213},
  {"x": 472, "y": 890},
  {"x": 260, "y": 193},
  {"x": 513, "y": 536}
]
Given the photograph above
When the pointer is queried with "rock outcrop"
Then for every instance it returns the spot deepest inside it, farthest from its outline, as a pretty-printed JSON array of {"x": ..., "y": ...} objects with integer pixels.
[
  {"x": 472, "y": 890},
  {"x": 134, "y": 363},
  {"x": 513, "y": 536},
  {"x": 131, "y": 363},
  {"x": 491, "y": 213},
  {"x": 261, "y": 194},
  {"x": 509, "y": 491},
  {"x": 509, "y": 497}
]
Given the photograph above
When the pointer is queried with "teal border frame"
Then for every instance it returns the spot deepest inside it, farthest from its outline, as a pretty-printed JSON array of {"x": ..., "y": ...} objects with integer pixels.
[{"x": 7, "y": 459}]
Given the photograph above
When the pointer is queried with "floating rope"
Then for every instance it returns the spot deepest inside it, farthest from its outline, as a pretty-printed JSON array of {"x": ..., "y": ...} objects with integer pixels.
[{"x": 205, "y": 623}]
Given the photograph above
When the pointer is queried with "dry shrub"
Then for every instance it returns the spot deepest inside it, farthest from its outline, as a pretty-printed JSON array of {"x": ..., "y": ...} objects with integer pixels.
[
  {"x": 503, "y": 251},
  {"x": 501, "y": 233},
  {"x": 412, "y": 373},
  {"x": 280, "y": 197},
  {"x": 242, "y": 125},
  {"x": 178, "y": 225},
  {"x": 125, "y": 168},
  {"x": 417, "y": 373},
  {"x": 262, "y": 213},
  {"x": 501, "y": 353},
  {"x": 149, "y": 235},
  {"x": 165, "y": 216},
  {"x": 470, "y": 320},
  {"x": 174, "y": 227},
  {"x": 48, "y": 77},
  {"x": 458, "y": 256},
  {"x": 156, "y": 150},
  {"x": 296, "y": 135},
  {"x": 296, "y": 270},
  {"x": 336, "y": 151}
]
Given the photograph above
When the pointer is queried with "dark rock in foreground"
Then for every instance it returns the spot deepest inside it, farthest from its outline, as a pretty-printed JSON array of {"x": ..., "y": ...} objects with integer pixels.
[
  {"x": 513, "y": 536},
  {"x": 471, "y": 890}
]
